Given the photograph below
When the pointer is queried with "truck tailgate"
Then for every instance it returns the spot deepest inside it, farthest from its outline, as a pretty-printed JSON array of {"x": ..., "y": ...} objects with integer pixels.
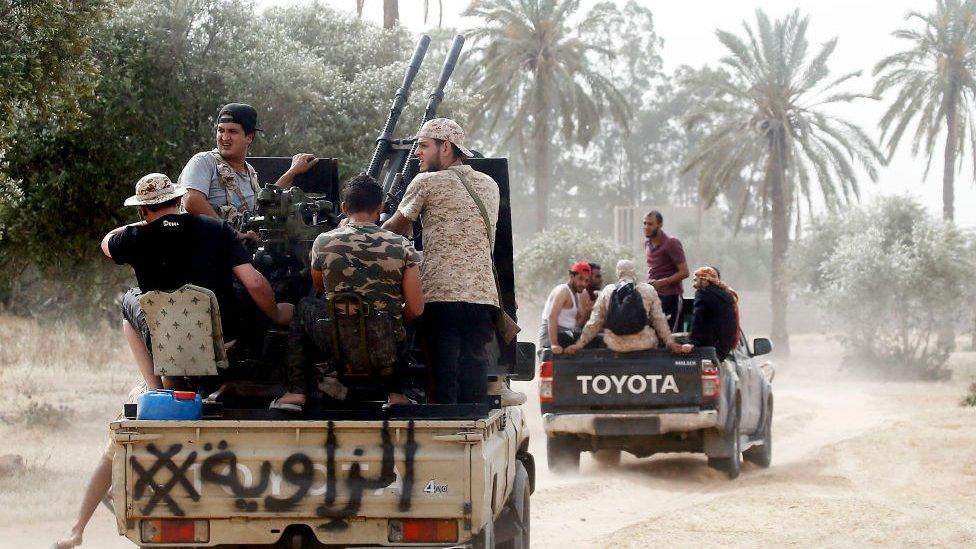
[
  {"x": 604, "y": 380},
  {"x": 330, "y": 473}
]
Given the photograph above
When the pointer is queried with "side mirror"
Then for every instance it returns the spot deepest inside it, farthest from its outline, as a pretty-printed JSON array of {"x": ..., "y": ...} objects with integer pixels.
[
  {"x": 524, "y": 361},
  {"x": 761, "y": 346}
]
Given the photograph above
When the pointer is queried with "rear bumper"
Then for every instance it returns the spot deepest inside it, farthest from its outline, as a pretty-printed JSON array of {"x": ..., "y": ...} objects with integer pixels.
[{"x": 628, "y": 424}]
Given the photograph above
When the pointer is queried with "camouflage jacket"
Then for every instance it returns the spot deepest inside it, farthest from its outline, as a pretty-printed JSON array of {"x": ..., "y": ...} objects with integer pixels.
[
  {"x": 367, "y": 260},
  {"x": 457, "y": 255}
]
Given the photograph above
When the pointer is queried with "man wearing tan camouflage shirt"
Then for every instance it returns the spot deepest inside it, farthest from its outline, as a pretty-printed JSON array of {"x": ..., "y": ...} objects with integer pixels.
[
  {"x": 459, "y": 287},
  {"x": 381, "y": 269}
]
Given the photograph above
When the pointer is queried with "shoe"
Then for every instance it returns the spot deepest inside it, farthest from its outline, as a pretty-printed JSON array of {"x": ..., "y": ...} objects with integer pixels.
[
  {"x": 508, "y": 396},
  {"x": 286, "y": 406}
]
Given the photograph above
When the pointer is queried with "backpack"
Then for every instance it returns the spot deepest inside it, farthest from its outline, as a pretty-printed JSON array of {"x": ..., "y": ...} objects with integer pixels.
[{"x": 626, "y": 314}]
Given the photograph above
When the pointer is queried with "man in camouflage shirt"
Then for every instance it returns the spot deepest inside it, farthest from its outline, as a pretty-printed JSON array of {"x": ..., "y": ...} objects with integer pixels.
[
  {"x": 381, "y": 268},
  {"x": 459, "y": 286}
]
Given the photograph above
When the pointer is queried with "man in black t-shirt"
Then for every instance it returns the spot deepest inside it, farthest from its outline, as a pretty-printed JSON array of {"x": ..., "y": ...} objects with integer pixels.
[{"x": 168, "y": 249}]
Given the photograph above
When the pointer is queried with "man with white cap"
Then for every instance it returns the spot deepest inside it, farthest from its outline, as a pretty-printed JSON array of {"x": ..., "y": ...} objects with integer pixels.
[
  {"x": 168, "y": 249},
  {"x": 459, "y": 208},
  {"x": 646, "y": 336}
]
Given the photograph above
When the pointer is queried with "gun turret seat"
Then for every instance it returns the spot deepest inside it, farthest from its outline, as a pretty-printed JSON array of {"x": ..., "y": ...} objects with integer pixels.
[{"x": 187, "y": 339}]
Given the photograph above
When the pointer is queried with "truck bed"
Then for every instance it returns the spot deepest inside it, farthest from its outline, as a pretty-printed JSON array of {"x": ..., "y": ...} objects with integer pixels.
[{"x": 342, "y": 479}]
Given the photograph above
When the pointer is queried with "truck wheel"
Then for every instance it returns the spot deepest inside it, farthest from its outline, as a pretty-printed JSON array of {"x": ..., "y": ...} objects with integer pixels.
[
  {"x": 607, "y": 458},
  {"x": 733, "y": 464},
  {"x": 486, "y": 538},
  {"x": 519, "y": 511},
  {"x": 563, "y": 455},
  {"x": 762, "y": 455}
]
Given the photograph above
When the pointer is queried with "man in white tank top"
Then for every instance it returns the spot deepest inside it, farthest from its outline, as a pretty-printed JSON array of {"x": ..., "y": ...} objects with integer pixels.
[{"x": 560, "y": 324}]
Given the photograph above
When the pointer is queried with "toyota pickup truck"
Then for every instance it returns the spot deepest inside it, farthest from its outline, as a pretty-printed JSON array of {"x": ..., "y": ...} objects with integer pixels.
[{"x": 654, "y": 401}]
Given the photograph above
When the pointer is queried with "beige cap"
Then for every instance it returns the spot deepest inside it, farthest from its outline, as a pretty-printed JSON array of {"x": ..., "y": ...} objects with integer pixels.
[
  {"x": 154, "y": 188},
  {"x": 444, "y": 129}
]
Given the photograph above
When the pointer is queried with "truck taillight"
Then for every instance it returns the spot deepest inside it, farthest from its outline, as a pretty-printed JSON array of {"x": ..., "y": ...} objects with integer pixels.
[
  {"x": 424, "y": 530},
  {"x": 175, "y": 531},
  {"x": 545, "y": 382},
  {"x": 710, "y": 380}
]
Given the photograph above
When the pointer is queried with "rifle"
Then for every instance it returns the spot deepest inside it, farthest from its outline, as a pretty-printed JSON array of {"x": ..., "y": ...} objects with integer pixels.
[
  {"x": 404, "y": 169},
  {"x": 399, "y": 100}
]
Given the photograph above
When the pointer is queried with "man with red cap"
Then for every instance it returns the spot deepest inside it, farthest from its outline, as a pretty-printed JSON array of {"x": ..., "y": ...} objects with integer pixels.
[{"x": 560, "y": 326}]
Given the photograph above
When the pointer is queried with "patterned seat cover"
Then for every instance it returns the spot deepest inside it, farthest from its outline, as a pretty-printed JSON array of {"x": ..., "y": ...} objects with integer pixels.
[{"x": 187, "y": 339}]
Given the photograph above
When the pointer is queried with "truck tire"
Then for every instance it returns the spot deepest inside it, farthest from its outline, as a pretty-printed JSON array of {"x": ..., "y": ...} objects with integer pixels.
[
  {"x": 607, "y": 458},
  {"x": 562, "y": 454},
  {"x": 518, "y": 504},
  {"x": 733, "y": 464},
  {"x": 762, "y": 455},
  {"x": 485, "y": 538}
]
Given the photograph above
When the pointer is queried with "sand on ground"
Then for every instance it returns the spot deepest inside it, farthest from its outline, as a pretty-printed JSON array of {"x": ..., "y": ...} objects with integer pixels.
[{"x": 857, "y": 461}]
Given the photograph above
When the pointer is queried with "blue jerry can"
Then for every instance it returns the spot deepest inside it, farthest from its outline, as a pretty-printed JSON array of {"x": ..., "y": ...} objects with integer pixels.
[{"x": 167, "y": 404}]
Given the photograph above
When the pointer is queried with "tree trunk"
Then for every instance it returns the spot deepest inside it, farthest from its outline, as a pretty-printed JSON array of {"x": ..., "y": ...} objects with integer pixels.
[
  {"x": 391, "y": 13},
  {"x": 543, "y": 173},
  {"x": 947, "y": 332},
  {"x": 775, "y": 181}
]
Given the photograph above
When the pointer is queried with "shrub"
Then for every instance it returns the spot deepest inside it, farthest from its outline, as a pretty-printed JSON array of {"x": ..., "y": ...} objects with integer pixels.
[
  {"x": 545, "y": 260},
  {"x": 891, "y": 278}
]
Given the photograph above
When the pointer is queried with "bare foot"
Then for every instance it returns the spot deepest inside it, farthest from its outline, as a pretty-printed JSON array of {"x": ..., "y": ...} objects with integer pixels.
[
  {"x": 292, "y": 398},
  {"x": 68, "y": 542},
  {"x": 397, "y": 398}
]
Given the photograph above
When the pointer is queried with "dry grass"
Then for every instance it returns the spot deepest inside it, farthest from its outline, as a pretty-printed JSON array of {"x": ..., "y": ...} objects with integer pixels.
[
  {"x": 58, "y": 345},
  {"x": 60, "y": 385}
]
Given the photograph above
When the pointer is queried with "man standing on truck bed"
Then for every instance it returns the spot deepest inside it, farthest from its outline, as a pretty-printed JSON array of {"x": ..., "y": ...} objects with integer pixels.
[
  {"x": 646, "y": 334},
  {"x": 560, "y": 316},
  {"x": 666, "y": 265},
  {"x": 220, "y": 182},
  {"x": 460, "y": 294}
]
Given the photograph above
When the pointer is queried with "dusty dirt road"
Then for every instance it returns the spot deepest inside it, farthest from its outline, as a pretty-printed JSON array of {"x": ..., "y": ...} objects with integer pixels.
[{"x": 855, "y": 463}]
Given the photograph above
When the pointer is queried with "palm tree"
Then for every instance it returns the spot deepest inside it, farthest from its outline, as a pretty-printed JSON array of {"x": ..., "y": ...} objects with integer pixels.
[
  {"x": 936, "y": 78},
  {"x": 391, "y": 12},
  {"x": 536, "y": 70},
  {"x": 767, "y": 138}
]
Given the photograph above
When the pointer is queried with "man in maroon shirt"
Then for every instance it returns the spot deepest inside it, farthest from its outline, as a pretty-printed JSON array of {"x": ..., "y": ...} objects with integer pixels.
[{"x": 666, "y": 265}]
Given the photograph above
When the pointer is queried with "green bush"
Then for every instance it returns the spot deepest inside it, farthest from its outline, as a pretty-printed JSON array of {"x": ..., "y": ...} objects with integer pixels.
[
  {"x": 544, "y": 261},
  {"x": 890, "y": 277}
]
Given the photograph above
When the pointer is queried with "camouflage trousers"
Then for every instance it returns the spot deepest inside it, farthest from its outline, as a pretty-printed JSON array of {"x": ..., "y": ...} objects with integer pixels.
[{"x": 313, "y": 365}]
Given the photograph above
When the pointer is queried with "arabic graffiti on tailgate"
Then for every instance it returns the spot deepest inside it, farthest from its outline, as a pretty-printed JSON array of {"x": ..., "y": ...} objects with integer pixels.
[{"x": 263, "y": 491}]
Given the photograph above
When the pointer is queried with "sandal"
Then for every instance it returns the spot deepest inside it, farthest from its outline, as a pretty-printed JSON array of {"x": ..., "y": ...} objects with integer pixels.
[{"x": 286, "y": 406}]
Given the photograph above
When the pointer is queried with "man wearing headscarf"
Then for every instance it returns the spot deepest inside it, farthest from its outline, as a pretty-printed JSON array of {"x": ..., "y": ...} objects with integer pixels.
[
  {"x": 715, "y": 320},
  {"x": 648, "y": 337}
]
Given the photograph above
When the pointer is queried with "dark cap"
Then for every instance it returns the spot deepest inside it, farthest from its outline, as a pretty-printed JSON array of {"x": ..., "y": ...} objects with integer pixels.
[{"x": 241, "y": 113}]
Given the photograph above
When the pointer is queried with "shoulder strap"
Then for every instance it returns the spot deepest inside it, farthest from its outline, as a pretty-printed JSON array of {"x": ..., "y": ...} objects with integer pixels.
[
  {"x": 491, "y": 237},
  {"x": 253, "y": 176},
  {"x": 482, "y": 209},
  {"x": 225, "y": 173}
]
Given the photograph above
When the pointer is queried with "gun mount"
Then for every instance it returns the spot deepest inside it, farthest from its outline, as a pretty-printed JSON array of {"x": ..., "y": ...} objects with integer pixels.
[{"x": 287, "y": 223}]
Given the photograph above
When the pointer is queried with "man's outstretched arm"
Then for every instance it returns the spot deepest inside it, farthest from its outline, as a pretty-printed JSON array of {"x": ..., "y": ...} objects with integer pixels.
[{"x": 262, "y": 294}]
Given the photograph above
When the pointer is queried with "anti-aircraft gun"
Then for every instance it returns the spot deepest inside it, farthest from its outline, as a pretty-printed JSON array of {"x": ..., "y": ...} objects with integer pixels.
[{"x": 288, "y": 221}]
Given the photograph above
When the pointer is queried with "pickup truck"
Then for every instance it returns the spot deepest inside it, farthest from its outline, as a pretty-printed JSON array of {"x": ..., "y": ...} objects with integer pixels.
[
  {"x": 650, "y": 402},
  {"x": 362, "y": 475}
]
